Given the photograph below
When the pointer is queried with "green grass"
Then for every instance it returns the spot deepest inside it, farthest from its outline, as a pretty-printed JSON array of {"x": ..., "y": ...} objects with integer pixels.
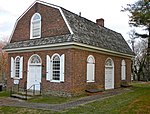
[
  {"x": 53, "y": 99},
  {"x": 49, "y": 99},
  {"x": 16, "y": 110},
  {"x": 4, "y": 94},
  {"x": 135, "y": 102}
]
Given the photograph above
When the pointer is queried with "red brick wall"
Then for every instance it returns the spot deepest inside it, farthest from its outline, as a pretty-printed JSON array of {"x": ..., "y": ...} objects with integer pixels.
[
  {"x": 79, "y": 68},
  {"x": 75, "y": 70},
  {"x": 52, "y": 23},
  {"x": 67, "y": 86}
]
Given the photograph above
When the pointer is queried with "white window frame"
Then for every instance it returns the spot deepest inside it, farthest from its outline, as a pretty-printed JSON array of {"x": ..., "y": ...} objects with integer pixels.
[
  {"x": 53, "y": 68},
  {"x": 49, "y": 68},
  {"x": 123, "y": 70},
  {"x": 31, "y": 26},
  {"x": 15, "y": 68},
  {"x": 90, "y": 68}
]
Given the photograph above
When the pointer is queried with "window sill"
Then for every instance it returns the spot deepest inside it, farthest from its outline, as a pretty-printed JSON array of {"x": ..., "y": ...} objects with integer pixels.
[
  {"x": 16, "y": 78},
  {"x": 90, "y": 81},
  {"x": 56, "y": 81}
]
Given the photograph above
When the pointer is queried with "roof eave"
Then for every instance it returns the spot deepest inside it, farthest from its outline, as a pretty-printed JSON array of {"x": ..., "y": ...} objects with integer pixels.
[{"x": 83, "y": 46}]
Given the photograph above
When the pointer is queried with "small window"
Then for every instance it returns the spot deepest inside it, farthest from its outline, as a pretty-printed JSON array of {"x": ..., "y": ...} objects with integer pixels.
[
  {"x": 56, "y": 67},
  {"x": 17, "y": 67},
  {"x": 36, "y": 26}
]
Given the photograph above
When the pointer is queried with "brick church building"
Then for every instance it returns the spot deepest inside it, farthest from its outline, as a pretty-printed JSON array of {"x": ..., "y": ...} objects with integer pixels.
[{"x": 65, "y": 54}]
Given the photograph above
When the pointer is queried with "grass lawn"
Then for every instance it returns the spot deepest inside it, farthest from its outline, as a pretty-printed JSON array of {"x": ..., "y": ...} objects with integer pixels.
[
  {"x": 53, "y": 99},
  {"x": 134, "y": 102},
  {"x": 4, "y": 94}
]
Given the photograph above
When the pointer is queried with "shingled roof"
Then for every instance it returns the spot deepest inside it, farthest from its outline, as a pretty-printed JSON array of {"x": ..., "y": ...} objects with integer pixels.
[{"x": 84, "y": 32}]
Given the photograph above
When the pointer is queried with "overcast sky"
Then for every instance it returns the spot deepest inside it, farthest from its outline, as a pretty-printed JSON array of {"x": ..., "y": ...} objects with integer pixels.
[{"x": 10, "y": 10}]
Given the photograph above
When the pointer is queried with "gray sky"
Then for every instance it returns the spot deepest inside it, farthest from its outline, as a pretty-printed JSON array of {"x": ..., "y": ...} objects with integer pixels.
[{"x": 10, "y": 10}]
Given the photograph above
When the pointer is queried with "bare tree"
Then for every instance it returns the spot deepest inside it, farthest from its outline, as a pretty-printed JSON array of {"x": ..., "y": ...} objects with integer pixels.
[
  {"x": 140, "y": 64},
  {"x": 3, "y": 62}
]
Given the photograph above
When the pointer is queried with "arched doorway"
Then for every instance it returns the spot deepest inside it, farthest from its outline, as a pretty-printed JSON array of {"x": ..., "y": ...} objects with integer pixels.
[
  {"x": 34, "y": 72},
  {"x": 109, "y": 74}
]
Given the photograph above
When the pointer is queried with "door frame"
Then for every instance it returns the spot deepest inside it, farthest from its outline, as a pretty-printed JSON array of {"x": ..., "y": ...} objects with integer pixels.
[
  {"x": 34, "y": 64},
  {"x": 110, "y": 65}
]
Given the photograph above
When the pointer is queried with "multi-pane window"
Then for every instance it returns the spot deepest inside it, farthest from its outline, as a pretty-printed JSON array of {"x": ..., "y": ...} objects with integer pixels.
[
  {"x": 56, "y": 67},
  {"x": 17, "y": 67},
  {"x": 36, "y": 26}
]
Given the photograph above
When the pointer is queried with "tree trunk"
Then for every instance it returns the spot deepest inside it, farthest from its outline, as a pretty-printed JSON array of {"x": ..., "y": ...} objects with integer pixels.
[{"x": 148, "y": 55}]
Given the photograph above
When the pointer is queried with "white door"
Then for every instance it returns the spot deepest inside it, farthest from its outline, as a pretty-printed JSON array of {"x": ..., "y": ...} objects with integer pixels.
[
  {"x": 109, "y": 78},
  {"x": 34, "y": 74},
  {"x": 109, "y": 74}
]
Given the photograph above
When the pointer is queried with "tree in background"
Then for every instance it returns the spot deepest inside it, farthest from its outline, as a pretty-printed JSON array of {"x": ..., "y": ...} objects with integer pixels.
[
  {"x": 3, "y": 63},
  {"x": 140, "y": 17}
]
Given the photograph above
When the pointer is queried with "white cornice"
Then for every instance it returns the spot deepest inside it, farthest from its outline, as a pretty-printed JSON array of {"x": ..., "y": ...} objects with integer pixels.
[{"x": 66, "y": 46}]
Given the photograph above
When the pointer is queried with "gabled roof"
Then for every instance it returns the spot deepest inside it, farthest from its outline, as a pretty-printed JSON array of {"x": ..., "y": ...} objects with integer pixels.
[{"x": 83, "y": 32}]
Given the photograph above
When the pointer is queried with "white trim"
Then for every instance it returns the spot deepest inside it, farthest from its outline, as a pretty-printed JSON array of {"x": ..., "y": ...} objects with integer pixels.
[
  {"x": 62, "y": 67},
  {"x": 44, "y": 3},
  {"x": 15, "y": 67},
  {"x": 31, "y": 26},
  {"x": 55, "y": 55},
  {"x": 85, "y": 47},
  {"x": 90, "y": 72},
  {"x": 21, "y": 68},
  {"x": 91, "y": 56},
  {"x": 123, "y": 70},
  {"x": 52, "y": 80},
  {"x": 48, "y": 67},
  {"x": 12, "y": 69},
  {"x": 28, "y": 68},
  {"x": 113, "y": 73},
  {"x": 57, "y": 7},
  {"x": 36, "y": 63},
  {"x": 65, "y": 20}
]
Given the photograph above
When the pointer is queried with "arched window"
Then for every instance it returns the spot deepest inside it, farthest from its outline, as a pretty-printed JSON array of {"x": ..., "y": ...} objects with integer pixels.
[
  {"x": 35, "y": 59},
  {"x": 109, "y": 63},
  {"x": 35, "y": 26},
  {"x": 90, "y": 69},
  {"x": 56, "y": 67},
  {"x": 123, "y": 70},
  {"x": 17, "y": 67}
]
